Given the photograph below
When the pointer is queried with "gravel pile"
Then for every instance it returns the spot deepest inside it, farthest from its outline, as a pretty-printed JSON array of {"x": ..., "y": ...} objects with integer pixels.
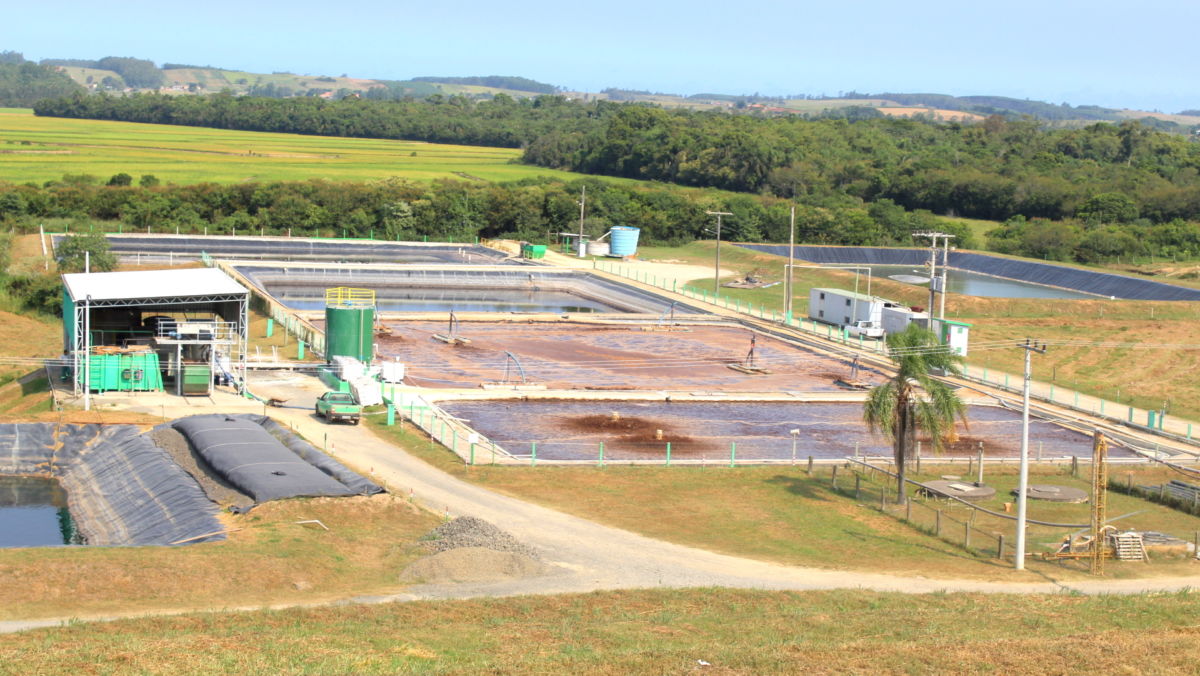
[
  {"x": 217, "y": 489},
  {"x": 471, "y": 564},
  {"x": 468, "y": 531}
]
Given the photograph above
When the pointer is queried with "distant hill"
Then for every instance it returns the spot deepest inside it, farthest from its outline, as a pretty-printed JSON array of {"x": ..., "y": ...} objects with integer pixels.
[
  {"x": 998, "y": 105},
  {"x": 24, "y": 82},
  {"x": 127, "y": 74},
  {"x": 520, "y": 84}
]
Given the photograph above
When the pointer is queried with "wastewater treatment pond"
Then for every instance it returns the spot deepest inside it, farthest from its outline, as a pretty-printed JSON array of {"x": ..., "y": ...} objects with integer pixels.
[
  {"x": 459, "y": 300},
  {"x": 33, "y": 513},
  {"x": 574, "y": 430},
  {"x": 568, "y": 355},
  {"x": 966, "y": 283}
]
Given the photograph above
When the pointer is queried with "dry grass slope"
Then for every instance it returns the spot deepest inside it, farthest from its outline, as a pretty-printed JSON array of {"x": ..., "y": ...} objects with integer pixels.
[{"x": 661, "y": 631}]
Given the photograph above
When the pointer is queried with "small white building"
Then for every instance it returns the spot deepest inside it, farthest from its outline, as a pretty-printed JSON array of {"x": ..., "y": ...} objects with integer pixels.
[{"x": 845, "y": 308}]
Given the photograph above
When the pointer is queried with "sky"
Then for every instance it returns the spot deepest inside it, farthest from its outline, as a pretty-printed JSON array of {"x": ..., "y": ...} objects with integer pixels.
[{"x": 1114, "y": 54}]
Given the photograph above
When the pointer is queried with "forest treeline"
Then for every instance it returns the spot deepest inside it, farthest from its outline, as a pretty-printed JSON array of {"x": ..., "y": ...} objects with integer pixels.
[
  {"x": 996, "y": 169},
  {"x": 448, "y": 210},
  {"x": 22, "y": 83}
]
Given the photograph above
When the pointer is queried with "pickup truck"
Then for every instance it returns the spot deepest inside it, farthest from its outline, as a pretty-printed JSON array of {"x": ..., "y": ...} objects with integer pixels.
[
  {"x": 865, "y": 329},
  {"x": 334, "y": 406}
]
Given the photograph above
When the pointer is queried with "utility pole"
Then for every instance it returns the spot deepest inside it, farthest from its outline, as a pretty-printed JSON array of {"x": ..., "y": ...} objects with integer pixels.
[
  {"x": 933, "y": 275},
  {"x": 945, "y": 266},
  {"x": 1099, "y": 499},
  {"x": 717, "y": 267},
  {"x": 1023, "y": 481},
  {"x": 582, "y": 201},
  {"x": 87, "y": 353},
  {"x": 791, "y": 261}
]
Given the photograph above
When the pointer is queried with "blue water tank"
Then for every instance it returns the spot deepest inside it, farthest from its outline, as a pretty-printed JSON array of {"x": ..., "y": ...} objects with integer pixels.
[{"x": 623, "y": 241}]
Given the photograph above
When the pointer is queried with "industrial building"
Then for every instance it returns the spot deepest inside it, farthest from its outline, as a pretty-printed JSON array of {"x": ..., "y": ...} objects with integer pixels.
[{"x": 172, "y": 330}]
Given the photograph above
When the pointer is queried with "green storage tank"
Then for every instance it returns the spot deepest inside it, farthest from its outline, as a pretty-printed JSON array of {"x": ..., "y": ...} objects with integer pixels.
[{"x": 349, "y": 323}]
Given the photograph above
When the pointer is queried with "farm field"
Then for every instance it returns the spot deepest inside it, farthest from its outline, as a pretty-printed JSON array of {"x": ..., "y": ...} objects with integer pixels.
[
  {"x": 724, "y": 631},
  {"x": 43, "y": 148}
]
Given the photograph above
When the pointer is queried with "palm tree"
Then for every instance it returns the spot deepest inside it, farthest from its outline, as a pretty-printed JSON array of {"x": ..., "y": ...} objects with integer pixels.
[{"x": 913, "y": 399}]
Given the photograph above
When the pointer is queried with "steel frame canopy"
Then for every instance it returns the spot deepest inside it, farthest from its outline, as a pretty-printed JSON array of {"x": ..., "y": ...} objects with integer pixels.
[{"x": 195, "y": 290}]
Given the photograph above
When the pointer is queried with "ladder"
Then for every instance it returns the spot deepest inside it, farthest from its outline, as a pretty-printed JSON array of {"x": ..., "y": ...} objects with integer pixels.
[{"x": 1129, "y": 547}]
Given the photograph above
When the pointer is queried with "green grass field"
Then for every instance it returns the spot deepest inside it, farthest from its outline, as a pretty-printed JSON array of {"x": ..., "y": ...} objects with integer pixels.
[
  {"x": 716, "y": 631},
  {"x": 44, "y": 148},
  {"x": 782, "y": 515}
]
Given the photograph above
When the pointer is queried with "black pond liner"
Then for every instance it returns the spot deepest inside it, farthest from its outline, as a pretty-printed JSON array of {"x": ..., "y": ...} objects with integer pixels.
[
  {"x": 121, "y": 488},
  {"x": 1099, "y": 283}
]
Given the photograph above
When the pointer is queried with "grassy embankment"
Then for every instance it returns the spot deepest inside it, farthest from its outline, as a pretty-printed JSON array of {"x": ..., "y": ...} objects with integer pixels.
[
  {"x": 1154, "y": 368},
  {"x": 44, "y": 148},
  {"x": 781, "y": 514},
  {"x": 270, "y": 558},
  {"x": 659, "y": 631}
]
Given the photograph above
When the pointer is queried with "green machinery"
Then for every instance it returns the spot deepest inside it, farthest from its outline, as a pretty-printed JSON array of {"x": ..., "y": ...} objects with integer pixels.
[
  {"x": 350, "y": 323},
  {"x": 125, "y": 372}
]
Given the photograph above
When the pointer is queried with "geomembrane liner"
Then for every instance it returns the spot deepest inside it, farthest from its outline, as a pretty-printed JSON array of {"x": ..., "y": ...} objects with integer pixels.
[
  {"x": 1099, "y": 283},
  {"x": 258, "y": 464},
  {"x": 121, "y": 488}
]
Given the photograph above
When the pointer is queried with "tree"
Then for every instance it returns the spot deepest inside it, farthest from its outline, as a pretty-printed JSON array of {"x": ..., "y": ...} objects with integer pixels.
[
  {"x": 913, "y": 400},
  {"x": 70, "y": 253}
]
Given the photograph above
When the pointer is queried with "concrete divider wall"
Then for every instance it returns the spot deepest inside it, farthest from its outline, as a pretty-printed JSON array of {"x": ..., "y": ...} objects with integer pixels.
[
  {"x": 277, "y": 248},
  {"x": 577, "y": 282}
]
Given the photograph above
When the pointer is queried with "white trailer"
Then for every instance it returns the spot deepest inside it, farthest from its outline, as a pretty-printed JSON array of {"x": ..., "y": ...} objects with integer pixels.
[
  {"x": 843, "y": 308},
  {"x": 896, "y": 319}
]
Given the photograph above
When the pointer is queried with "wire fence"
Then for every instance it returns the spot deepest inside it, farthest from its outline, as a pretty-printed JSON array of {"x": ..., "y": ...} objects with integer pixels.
[
  {"x": 472, "y": 447},
  {"x": 951, "y": 522}
]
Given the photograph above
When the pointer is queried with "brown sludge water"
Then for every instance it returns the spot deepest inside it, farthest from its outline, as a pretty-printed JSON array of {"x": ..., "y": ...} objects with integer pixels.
[
  {"x": 573, "y": 430},
  {"x": 580, "y": 356}
]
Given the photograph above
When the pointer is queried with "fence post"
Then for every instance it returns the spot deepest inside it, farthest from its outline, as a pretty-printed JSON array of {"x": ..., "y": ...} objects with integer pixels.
[
  {"x": 1075, "y": 466},
  {"x": 858, "y": 487},
  {"x": 834, "y": 478},
  {"x": 668, "y": 454},
  {"x": 391, "y": 414},
  {"x": 472, "y": 453},
  {"x": 810, "y": 465},
  {"x": 601, "y": 458},
  {"x": 1000, "y": 546},
  {"x": 732, "y": 453},
  {"x": 908, "y": 510},
  {"x": 967, "y": 535},
  {"x": 937, "y": 523},
  {"x": 533, "y": 454}
]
